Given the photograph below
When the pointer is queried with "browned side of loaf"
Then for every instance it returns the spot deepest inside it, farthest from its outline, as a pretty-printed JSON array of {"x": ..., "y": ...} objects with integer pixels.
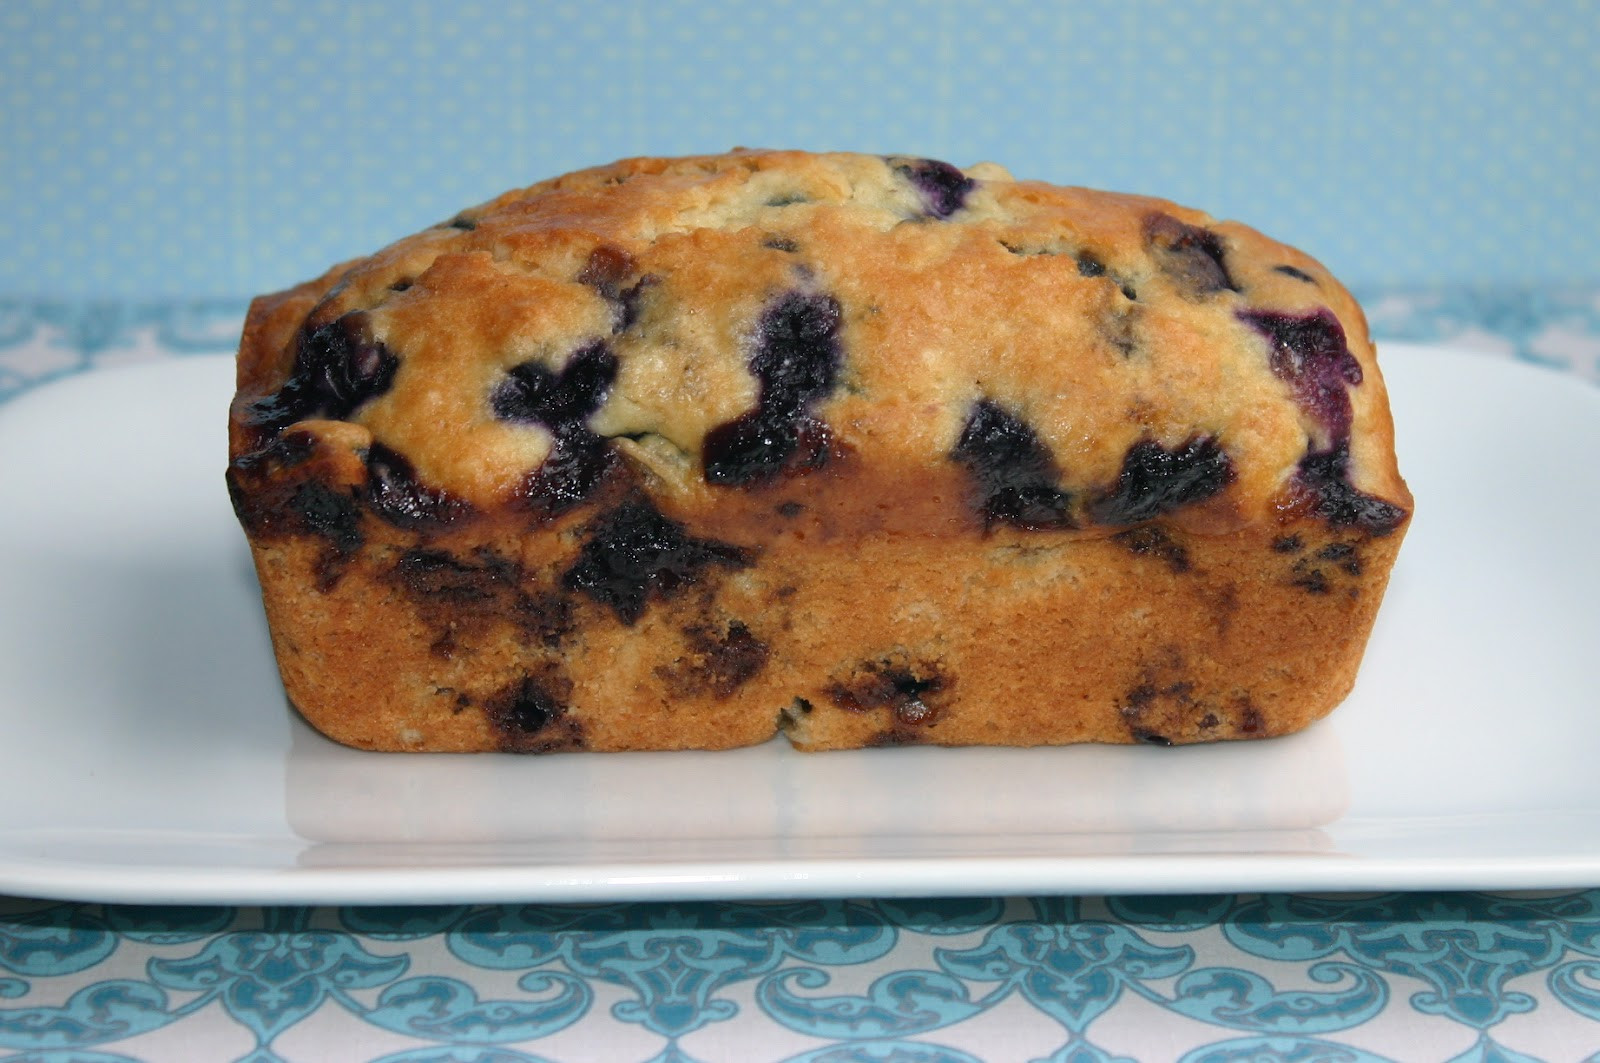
[{"x": 1150, "y": 635}]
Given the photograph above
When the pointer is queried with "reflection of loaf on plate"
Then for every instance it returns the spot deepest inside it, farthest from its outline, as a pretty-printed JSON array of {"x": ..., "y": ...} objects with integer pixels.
[
  {"x": 879, "y": 804},
  {"x": 680, "y": 453}
]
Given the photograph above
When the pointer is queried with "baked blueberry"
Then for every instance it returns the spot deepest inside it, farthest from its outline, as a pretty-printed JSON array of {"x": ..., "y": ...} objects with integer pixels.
[
  {"x": 633, "y": 553},
  {"x": 562, "y": 402},
  {"x": 1089, "y": 265},
  {"x": 1155, "y": 480},
  {"x": 1194, "y": 258},
  {"x": 795, "y": 357},
  {"x": 606, "y": 270},
  {"x": 607, "y": 267},
  {"x": 442, "y": 577},
  {"x": 461, "y": 596},
  {"x": 572, "y": 472},
  {"x": 1150, "y": 540},
  {"x": 1325, "y": 477},
  {"x": 1309, "y": 352},
  {"x": 532, "y": 714},
  {"x": 399, "y": 497},
  {"x": 1013, "y": 471},
  {"x": 909, "y": 691},
  {"x": 943, "y": 188},
  {"x": 531, "y": 707},
  {"x": 328, "y": 512},
  {"x": 338, "y": 366},
  {"x": 332, "y": 514},
  {"x": 717, "y": 662}
]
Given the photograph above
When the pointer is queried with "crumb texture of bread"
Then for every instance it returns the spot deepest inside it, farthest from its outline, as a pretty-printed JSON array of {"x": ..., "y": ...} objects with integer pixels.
[{"x": 866, "y": 450}]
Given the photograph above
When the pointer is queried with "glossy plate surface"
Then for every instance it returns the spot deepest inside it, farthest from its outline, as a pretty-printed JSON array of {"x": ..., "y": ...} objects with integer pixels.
[{"x": 147, "y": 752}]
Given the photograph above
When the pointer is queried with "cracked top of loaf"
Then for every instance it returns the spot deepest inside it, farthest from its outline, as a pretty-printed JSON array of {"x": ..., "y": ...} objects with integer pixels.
[{"x": 926, "y": 348}]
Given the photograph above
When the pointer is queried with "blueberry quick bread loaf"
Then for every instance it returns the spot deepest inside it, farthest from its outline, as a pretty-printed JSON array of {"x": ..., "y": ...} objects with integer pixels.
[{"x": 682, "y": 453}]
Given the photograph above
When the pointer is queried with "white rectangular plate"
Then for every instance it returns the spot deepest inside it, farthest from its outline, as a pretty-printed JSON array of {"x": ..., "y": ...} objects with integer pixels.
[{"x": 147, "y": 752}]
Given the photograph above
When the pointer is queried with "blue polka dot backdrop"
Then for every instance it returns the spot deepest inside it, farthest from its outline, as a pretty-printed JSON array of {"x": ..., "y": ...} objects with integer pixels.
[{"x": 181, "y": 148}]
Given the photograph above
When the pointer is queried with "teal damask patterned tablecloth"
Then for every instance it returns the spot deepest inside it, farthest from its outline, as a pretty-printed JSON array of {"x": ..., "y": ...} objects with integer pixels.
[{"x": 1393, "y": 976}]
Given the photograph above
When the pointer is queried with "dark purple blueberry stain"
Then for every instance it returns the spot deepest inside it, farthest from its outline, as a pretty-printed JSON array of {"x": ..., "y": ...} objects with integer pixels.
[
  {"x": 909, "y": 692},
  {"x": 460, "y": 701},
  {"x": 1151, "y": 540},
  {"x": 795, "y": 358},
  {"x": 1251, "y": 722},
  {"x": 543, "y": 618},
  {"x": 1119, "y": 333},
  {"x": 791, "y": 509},
  {"x": 396, "y": 494},
  {"x": 255, "y": 487},
  {"x": 1297, "y": 274},
  {"x": 332, "y": 514},
  {"x": 1139, "y": 699},
  {"x": 1310, "y": 354},
  {"x": 562, "y": 402},
  {"x": 1344, "y": 555},
  {"x": 270, "y": 502},
  {"x": 718, "y": 662},
  {"x": 781, "y": 243},
  {"x": 328, "y": 512},
  {"x": 531, "y": 715},
  {"x": 285, "y": 452},
  {"x": 943, "y": 188},
  {"x": 404, "y": 284},
  {"x": 1325, "y": 478},
  {"x": 606, "y": 271},
  {"x": 462, "y": 222},
  {"x": 1288, "y": 544},
  {"x": 1012, "y": 469},
  {"x": 633, "y": 553},
  {"x": 1309, "y": 579},
  {"x": 1164, "y": 699},
  {"x": 1089, "y": 265},
  {"x": 461, "y": 597},
  {"x": 1194, "y": 258},
  {"x": 532, "y": 708},
  {"x": 337, "y": 367},
  {"x": 1155, "y": 481},
  {"x": 450, "y": 580},
  {"x": 788, "y": 199},
  {"x": 630, "y": 301},
  {"x": 1316, "y": 573},
  {"x": 568, "y": 478}
]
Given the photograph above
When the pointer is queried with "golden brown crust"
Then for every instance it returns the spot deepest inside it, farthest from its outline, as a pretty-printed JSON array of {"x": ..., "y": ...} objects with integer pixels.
[{"x": 674, "y": 452}]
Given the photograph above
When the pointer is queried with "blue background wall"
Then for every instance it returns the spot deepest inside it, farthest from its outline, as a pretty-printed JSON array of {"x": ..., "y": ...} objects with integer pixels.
[{"x": 188, "y": 148}]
